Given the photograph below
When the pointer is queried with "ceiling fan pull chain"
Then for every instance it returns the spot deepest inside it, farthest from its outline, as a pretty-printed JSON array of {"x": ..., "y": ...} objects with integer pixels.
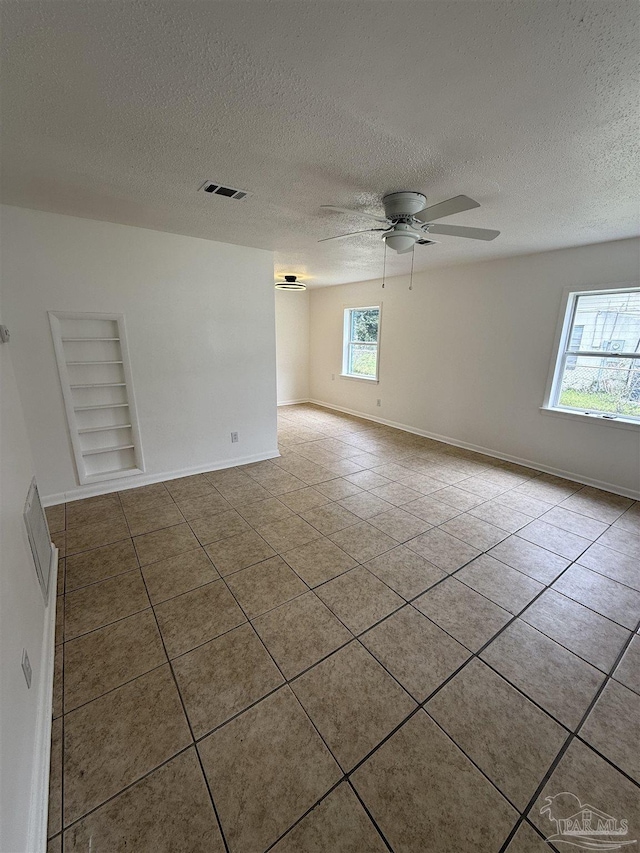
[
  {"x": 413, "y": 252},
  {"x": 384, "y": 263}
]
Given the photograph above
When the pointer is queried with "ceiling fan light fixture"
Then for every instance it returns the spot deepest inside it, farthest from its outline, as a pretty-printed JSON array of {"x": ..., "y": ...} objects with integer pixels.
[
  {"x": 290, "y": 283},
  {"x": 400, "y": 241}
]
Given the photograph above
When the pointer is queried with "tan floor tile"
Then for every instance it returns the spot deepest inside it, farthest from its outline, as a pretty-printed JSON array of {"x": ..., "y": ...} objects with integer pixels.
[
  {"x": 524, "y": 503},
  {"x": 628, "y": 670},
  {"x": 116, "y": 739},
  {"x": 503, "y": 733},
  {"x": 256, "y": 760},
  {"x": 208, "y": 504},
  {"x": 443, "y": 550},
  {"x": 144, "y": 496},
  {"x": 169, "y": 810},
  {"x": 60, "y": 577},
  {"x": 55, "y": 518},
  {"x": 625, "y": 541},
  {"x": 455, "y": 497},
  {"x": 367, "y": 480},
  {"x": 415, "y": 651},
  {"x": 602, "y": 506},
  {"x": 573, "y": 522},
  {"x": 152, "y": 547},
  {"x": 554, "y": 539},
  {"x": 330, "y": 518},
  {"x": 589, "y": 780},
  {"x": 404, "y": 571},
  {"x": 556, "y": 679},
  {"x": 530, "y": 559},
  {"x": 92, "y": 511},
  {"x": 60, "y": 541},
  {"x": 197, "y": 616},
  {"x": 338, "y": 489},
  {"x": 319, "y": 561},
  {"x": 54, "y": 824},
  {"x": 239, "y": 552},
  {"x": 193, "y": 486},
  {"x": 613, "y": 727},
  {"x": 339, "y": 824},
  {"x": 97, "y": 662},
  {"x": 469, "y": 617},
  {"x": 400, "y": 525},
  {"x": 630, "y": 520},
  {"x": 577, "y": 628},
  {"x": 288, "y": 533},
  {"x": 223, "y": 677},
  {"x": 102, "y": 603},
  {"x": 421, "y": 483},
  {"x": 175, "y": 575},
  {"x": 304, "y": 499},
  {"x": 359, "y": 599},
  {"x": 431, "y": 510},
  {"x": 527, "y": 840},
  {"x": 145, "y": 519},
  {"x": 300, "y": 633},
  {"x": 425, "y": 795},
  {"x": 246, "y": 494},
  {"x": 365, "y": 505},
  {"x": 266, "y": 511},
  {"x": 612, "y": 564},
  {"x": 220, "y": 525},
  {"x": 353, "y": 702},
  {"x": 601, "y": 594},
  {"x": 396, "y": 494},
  {"x": 363, "y": 541},
  {"x": 94, "y": 535},
  {"x": 264, "y": 586},
  {"x": 501, "y": 516},
  {"x": 54, "y": 845},
  {"x": 501, "y": 584},
  {"x": 99, "y": 564},
  {"x": 59, "y": 627},
  {"x": 482, "y": 487},
  {"x": 474, "y": 531},
  {"x": 58, "y": 663},
  {"x": 391, "y": 470}
]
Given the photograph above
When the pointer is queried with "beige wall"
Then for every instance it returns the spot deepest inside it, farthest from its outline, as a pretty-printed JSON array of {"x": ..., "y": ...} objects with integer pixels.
[
  {"x": 292, "y": 345},
  {"x": 466, "y": 356}
]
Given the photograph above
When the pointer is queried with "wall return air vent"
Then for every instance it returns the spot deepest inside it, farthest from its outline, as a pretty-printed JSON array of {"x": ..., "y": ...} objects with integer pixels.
[{"x": 214, "y": 188}]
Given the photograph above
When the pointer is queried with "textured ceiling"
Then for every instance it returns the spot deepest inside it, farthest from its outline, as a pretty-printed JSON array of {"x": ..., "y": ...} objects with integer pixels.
[{"x": 120, "y": 110}]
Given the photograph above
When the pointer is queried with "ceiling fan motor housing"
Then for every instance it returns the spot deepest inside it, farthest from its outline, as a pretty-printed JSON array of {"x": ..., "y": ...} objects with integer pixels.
[{"x": 404, "y": 204}]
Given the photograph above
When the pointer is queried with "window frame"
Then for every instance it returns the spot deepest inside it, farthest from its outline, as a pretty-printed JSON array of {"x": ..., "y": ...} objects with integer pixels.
[
  {"x": 560, "y": 354},
  {"x": 347, "y": 342}
]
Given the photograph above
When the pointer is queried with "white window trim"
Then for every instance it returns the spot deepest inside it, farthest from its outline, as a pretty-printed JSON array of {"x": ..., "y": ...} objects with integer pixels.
[
  {"x": 563, "y": 330},
  {"x": 345, "y": 342}
]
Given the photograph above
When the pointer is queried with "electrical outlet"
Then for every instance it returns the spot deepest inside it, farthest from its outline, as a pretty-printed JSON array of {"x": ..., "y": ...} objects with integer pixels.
[
  {"x": 26, "y": 667},
  {"x": 234, "y": 437},
  {"x": 378, "y": 402}
]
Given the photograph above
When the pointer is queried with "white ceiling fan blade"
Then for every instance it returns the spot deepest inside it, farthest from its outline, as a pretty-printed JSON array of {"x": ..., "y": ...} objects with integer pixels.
[
  {"x": 350, "y": 234},
  {"x": 457, "y": 204},
  {"x": 463, "y": 231},
  {"x": 352, "y": 212}
]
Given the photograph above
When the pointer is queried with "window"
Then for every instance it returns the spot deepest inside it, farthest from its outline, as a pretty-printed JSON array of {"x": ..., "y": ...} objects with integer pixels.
[
  {"x": 597, "y": 370},
  {"x": 361, "y": 341}
]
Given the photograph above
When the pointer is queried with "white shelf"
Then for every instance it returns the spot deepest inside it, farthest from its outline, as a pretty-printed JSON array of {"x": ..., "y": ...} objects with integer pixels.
[
  {"x": 92, "y": 362},
  {"x": 104, "y": 428},
  {"x": 68, "y": 340},
  {"x": 102, "y": 406},
  {"x": 101, "y": 385},
  {"x": 108, "y": 449}
]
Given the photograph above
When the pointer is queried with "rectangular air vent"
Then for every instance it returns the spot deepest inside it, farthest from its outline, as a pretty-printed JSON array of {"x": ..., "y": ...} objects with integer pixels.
[{"x": 228, "y": 192}]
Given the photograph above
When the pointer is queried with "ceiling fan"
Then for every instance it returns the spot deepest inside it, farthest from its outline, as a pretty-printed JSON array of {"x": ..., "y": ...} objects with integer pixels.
[{"x": 407, "y": 221}]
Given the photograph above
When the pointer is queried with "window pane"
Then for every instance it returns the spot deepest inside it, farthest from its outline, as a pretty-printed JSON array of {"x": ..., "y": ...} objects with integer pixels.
[
  {"x": 608, "y": 385},
  {"x": 362, "y": 359},
  {"x": 364, "y": 324},
  {"x": 610, "y": 323}
]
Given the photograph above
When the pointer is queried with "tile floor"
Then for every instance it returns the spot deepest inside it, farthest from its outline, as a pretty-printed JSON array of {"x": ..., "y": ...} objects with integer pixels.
[{"x": 374, "y": 642}]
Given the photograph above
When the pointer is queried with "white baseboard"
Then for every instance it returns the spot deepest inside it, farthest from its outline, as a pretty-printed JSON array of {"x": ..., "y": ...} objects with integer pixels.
[
  {"x": 108, "y": 486},
  {"x": 39, "y": 805},
  {"x": 293, "y": 402},
  {"x": 526, "y": 463}
]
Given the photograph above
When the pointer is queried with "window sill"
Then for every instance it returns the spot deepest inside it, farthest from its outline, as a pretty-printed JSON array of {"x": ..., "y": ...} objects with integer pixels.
[
  {"x": 585, "y": 417},
  {"x": 359, "y": 378}
]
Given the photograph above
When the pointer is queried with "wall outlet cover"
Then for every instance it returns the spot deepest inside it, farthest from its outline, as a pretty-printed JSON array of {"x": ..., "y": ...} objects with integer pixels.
[{"x": 234, "y": 437}]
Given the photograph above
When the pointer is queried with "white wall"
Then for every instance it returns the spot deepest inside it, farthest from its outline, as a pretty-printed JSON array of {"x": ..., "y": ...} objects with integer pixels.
[
  {"x": 201, "y": 331},
  {"x": 292, "y": 345},
  {"x": 488, "y": 391},
  {"x": 23, "y": 623}
]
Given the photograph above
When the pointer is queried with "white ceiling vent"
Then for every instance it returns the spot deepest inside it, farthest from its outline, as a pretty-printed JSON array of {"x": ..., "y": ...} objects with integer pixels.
[{"x": 214, "y": 188}]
